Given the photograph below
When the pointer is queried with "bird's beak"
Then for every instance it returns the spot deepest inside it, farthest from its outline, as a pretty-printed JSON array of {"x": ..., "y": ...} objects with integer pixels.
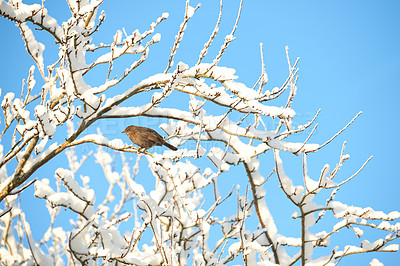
[{"x": 123, "y": 131}]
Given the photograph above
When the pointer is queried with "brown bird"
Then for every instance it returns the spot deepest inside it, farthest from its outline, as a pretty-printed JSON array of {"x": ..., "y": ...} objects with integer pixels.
[{"x": 146, "y": 137}]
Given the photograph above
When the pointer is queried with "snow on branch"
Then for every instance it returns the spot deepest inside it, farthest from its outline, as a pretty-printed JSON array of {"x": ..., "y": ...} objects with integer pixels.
[
  {"x": 303, "y": 197},
  {"x": 65, "y": 92},
  {"x": 160, "y": 206}
]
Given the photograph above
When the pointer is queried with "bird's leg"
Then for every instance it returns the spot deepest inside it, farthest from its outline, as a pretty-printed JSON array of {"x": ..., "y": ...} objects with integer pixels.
[{"x": 142, "y": 150}]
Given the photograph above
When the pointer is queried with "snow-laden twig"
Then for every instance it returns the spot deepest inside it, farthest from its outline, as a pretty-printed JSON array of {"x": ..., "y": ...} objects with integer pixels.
[
  {"x": 263, "y": 77},
  {"x": 212, "y": 36},
  {"x": 189, "y": 11},
  {"x": 228, "y": 39},
  {"x": 170, "y": 221}
]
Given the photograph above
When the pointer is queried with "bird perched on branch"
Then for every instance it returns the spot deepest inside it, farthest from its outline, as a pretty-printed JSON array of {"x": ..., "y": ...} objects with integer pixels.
[{"x": 146, "y": 138}]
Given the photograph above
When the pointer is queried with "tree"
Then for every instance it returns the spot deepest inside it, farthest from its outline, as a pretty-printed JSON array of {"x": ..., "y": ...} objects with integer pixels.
[{"x": 219, "y": 129}]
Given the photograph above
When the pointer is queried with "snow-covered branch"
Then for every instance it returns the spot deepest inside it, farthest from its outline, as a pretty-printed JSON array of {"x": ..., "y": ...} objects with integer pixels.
[{"x": 164, "y": 207}]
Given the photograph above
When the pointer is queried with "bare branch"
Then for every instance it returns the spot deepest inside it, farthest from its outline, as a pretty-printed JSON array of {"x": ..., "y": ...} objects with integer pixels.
[{"x": 337, "y": 134}]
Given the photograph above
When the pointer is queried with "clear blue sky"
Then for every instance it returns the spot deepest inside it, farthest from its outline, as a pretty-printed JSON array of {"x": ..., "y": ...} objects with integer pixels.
[{"x": 350, "y": 62}]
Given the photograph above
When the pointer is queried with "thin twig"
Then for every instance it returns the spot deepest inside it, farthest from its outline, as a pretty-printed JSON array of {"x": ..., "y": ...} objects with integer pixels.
[
  {"x": 356, "y": 173},
  {"x": 22, "y": 188},
  {"x": 213, "y": 34},
  {"x": 5, "y": 211},
  {"x": 337, "y": 134},
  {"x": 179, "y": 36},
  {"x": 228, "y": 39},
  {"x": 305, "y": 142}
]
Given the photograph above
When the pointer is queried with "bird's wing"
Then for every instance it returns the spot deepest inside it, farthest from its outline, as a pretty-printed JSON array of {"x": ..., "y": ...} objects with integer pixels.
[
  {"x": 155, "y": 138},
  {"x": 153, "y": 135}
]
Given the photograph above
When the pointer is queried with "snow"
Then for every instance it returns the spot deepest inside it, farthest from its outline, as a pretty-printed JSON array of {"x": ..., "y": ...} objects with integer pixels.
[
  {"x": 365, "y": 244},
  {"x": 358, "y": 231},
  {"x": 341, "y": 210},
  {"x": 21, "y": 12},
  {"x": 144, "y": 83},
  {"x": 290, "y": 241},
  {"x": 375, "y": 262},
  {"x": 3, "y": 170},
  {"x": 181, "y": 67},
  {"x": 136, "y": 188},
  {"x": 142, "y": 258},
  {"x": 190, "y": 11},
  {"x": 235, "y": 247},
  {"x": 77, "y": 241},
  {"x": 390, "y": 248},
  {"x": 40, "y": 257},
  {"x": 67, "y": 177},
  {"x": 215, "y": 155},
  {"x": 177, "y": 199},
  {"x": 7, "y": 99},
  {"x": 217, "y": 73},
  {"x": 384, "y": 225},
  {"x": 34, "y": 47},
  {"x": 229, "y": 38},
  {"x": 113, "y": 243},
  {"x": 66, "y": 199},
  {"x": 323, "y": 235},
  {"x": 296, "y": 193},
  {"x": 393, "y": 215},
  {"x": 156, "y": 97},
  {"x": 104, "y": 86},
  {"x": 19, "y": 110},
  {"x": 156, "y": 38},
  {"x": 39, "y": 148},
  {"x": 101, "y": 140},
  {"x": 346, "y": 156},
  {"x": 47, "y": 124},
  {"x": 195, "y": 106},
  {"x": 89, "y": 98},
  {"x": 28, "y": 130},
  {"x": 324, "y": 180}
]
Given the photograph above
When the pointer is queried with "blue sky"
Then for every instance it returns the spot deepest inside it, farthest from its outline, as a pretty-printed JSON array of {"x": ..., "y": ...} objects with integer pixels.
[{"x": 350, "y": 62}]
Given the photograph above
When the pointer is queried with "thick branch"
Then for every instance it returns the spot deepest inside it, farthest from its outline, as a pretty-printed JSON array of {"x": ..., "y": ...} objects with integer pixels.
[{"x": 19, "y": 177}]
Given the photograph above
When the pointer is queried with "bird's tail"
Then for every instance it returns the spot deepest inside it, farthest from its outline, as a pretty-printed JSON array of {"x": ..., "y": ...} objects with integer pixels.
[{"x": 170, "y": 146}]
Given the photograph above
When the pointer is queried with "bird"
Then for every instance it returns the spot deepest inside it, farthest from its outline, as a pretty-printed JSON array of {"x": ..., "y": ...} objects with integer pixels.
[{"x": 146, "y": 138}]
